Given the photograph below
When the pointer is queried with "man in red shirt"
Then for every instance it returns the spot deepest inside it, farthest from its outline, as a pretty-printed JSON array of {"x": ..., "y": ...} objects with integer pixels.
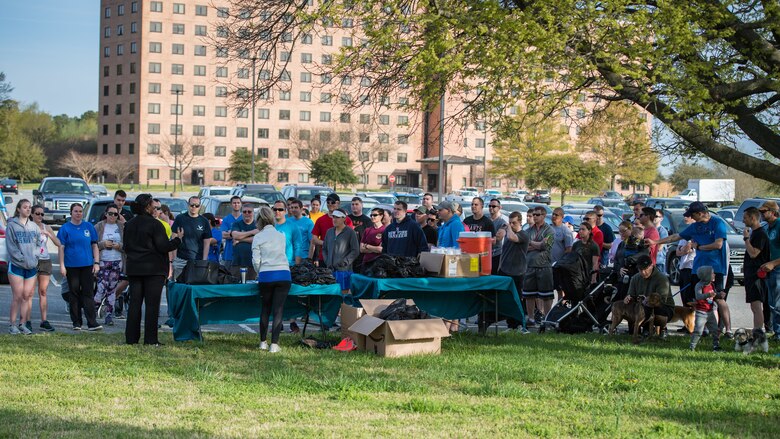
[
  {"x": 598, "y": 237},
  {"x": 647, "y": 218},
  {"x": 323, "y": 224}
]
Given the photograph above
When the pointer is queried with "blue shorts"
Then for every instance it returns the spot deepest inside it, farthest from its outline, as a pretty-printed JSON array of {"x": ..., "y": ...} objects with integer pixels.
[
  {"x": 344, "y": 279},
  {"x": 22, "y": 272}
]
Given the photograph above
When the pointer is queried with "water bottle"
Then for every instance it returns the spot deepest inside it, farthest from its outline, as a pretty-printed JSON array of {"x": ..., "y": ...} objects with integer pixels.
[{"x": 243, "y": 275}]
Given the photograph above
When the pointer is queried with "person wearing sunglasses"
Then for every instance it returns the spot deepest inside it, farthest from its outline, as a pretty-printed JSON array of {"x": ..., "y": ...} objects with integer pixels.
[
  {"x": 322, "y": 225},
  {"x": 500, "y": 225},
  {"x": 563, "y": 239},
  {"x": 371, "y": 241},
  {"x": 109, "y": 232},
  {"x": 291, "y": 232},
  {"x": 22, "y": 241},
  {"x": 305, "y": 226},
  {"x": 197, "y": 236},
  {"x": 44, "y": 267},
  {"x": 242, "y": 233},
  {"x": 340, "y": 248},
  {"x": 421, "y": 215},
  {"x": 538, "y": 285},
  {"x": 607, "y": 234}
]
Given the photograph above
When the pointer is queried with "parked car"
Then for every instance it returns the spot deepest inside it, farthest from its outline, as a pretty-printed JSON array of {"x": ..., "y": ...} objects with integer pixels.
[
  {"x": 520, "y": 193},
  {"x": 542, "y": 196},
  {"x": 9, "y": 185},
  {"x": 211, "y": 191},
  {"x": 750, "y": 202},
  {"x": 509, "y": 199},
  {"x": 462, "y": 196},
  {"x": 265, "y": 191},
  {"x": 609, "y": 202},
  {"x": 612, "y": 195},
  {"x": 633, "y": 198},
  {"x": 98, "y": 190},
  {"x": 667, "y": 203},
  {"x": 219, "y": 205},
  {"x": 727, "y": 214},
  {"x": 177, "y": 205},
  {"x": 609, "y": 218},
  {"x": 57, "y": 194},
  {"x": 493, "y": 192},
  {"x": 413, "y": 201},
  {"x": 94, "y": 210},
  {"x": 381, "y": 197},
  {"x": 514, "y": 206},
  {"x": 305, "y": 192},
  {"x": 410, "y": 190}
]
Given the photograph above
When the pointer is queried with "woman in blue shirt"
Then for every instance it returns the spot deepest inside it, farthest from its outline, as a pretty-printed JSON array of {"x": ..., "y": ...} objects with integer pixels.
[
  {"x": 79, "y": 264},
  {"x": 216, "y": 237}
]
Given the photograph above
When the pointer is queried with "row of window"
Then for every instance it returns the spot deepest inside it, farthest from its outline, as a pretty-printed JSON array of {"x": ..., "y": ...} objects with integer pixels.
[
  {"x": 281, "y": 177},
  {"x": 120, "y": 9},
  {"x": 118, "y": 148}
]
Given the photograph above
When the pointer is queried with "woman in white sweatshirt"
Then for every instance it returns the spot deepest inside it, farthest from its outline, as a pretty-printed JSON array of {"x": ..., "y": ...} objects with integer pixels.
[{"x": 273, "y": 275}]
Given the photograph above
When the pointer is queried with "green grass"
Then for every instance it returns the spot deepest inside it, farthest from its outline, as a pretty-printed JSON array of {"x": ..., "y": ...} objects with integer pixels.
[{"x": 91, "y": 385}]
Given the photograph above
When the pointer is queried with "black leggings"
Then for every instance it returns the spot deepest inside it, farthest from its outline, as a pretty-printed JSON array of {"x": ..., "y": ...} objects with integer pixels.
[
  {"x": 143, "y": 290},
  {"x": 81, "y": 284},
  {"x": 273, "y": 296}
]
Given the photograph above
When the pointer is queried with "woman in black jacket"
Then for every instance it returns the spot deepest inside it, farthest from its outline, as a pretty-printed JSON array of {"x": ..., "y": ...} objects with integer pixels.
[{"x": 146, "y": 246}]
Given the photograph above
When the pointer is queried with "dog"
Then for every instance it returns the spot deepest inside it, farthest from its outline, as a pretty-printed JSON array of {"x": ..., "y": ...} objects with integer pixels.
[
  {"x": 747, "y": 342},
  {"x": 633, "y": 313},
  {"x": 686, "y": 315}
]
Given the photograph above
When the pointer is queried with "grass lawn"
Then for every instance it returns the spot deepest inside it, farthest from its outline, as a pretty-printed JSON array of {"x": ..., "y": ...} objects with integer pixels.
[{"x": 91, "y": 385}]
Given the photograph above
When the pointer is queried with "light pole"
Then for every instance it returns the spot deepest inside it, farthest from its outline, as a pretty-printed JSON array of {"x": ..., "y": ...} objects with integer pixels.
[
  {"x": 441, "y": 148},
  {"x": 254, "y": 100},
  {"x": 178, "y": 91}
]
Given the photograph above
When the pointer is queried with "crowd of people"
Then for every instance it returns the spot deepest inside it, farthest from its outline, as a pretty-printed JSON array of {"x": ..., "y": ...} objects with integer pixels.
[{"x": 144, "y": 247}]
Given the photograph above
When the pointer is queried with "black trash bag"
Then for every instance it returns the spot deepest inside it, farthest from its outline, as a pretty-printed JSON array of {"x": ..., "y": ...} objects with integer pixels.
[
  {"x": 386, "y": 266},
  {"x": 306, "y": 273},
  {"x": 399, "y": 310}
]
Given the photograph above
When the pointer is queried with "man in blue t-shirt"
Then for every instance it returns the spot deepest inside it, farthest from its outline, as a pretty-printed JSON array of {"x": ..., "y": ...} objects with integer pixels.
[
  {"x": 242, "y": 233},
  {"x": 292, "y": 234},
  {"x": 197, "y": 236},
  {"x": 305, "y": 226},
  {"x": 226, "y": 227},
  {"x": 451, "y": 225},
  {"x": 770, "y": 212}
]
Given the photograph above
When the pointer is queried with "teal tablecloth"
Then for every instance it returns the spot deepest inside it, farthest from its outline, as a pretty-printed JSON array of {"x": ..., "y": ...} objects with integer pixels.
[
  {"x": 449, "y": 298},
  {"x": 195, "y": 305}
]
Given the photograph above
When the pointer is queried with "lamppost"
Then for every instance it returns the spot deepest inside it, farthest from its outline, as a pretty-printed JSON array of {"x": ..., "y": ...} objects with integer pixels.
[
  {"x": 177, "y": 91},
  {"x": 441, "y": 149},
  {"x": 254, "y": 100}
]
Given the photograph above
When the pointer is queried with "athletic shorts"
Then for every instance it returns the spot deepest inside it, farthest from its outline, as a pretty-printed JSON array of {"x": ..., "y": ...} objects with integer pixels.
[
  {"x": 24, "y": 273},
  {"x": 44, "y": 267},
  {"x": 755, "y": 289},
  {"x": 344, "y": 279},
  {"x": 538, "y": 282}
]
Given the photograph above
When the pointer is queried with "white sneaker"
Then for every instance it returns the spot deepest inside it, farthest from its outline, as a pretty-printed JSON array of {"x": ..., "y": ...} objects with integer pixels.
[
  {"x": 274, "y": 348},
  {"x": 23, "y": 329},
  {"x": 263, "y": 346},
  {"x": 13, "y": 330}
]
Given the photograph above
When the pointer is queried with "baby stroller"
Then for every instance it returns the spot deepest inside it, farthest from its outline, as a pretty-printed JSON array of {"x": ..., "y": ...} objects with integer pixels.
[{"x": 584, "y": 307}]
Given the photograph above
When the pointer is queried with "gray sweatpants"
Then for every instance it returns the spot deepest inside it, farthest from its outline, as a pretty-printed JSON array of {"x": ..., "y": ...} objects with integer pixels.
[{"x": 710, "y": 319}]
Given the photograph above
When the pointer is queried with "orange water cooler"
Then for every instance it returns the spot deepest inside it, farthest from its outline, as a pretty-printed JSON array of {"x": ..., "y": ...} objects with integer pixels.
[{"x": 480, "y": 243}]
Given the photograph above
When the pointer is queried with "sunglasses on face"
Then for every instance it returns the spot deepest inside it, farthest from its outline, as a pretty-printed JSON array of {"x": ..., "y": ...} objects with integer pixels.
[
  {"x": 276, "y": 209},
  {"x": 38, "y": 213},
  {"x": 157, "y": 208},
  {"x": 331, "y": 202},
  {"x": 588, "y": 218},
  {"x": 375, "y": 214},
  {"x": 194, "y": 205},
  {"x": 493, "y": 207},
  {"x": 537, "y": 214},
  {"x": 600, "y": 215},
  {"x": 112, "y": 214},
  {"x": 249, "y": 211}
]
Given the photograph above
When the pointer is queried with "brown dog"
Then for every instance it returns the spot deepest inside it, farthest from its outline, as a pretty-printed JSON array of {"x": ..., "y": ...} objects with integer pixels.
[
  {"x": 686, "y": 315},
  {"x": 633, "y": 313}
]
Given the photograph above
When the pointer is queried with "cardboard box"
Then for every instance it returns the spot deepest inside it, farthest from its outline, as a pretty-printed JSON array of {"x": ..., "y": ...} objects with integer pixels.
[
  {"x": 398, "y": 338},
  {"x": 350, "y": 315},
  {"x": 463, "y": 265}
]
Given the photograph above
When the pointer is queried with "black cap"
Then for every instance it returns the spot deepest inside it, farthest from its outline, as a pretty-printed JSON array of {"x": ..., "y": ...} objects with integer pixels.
[
  {"x": 643, "y": 262},
  {"x": 333, "y": 197},
  {"x": 695, "y": 207}
]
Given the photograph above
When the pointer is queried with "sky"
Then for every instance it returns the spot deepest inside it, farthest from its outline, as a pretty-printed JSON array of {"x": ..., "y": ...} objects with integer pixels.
[{"x": 49, "y": 52}]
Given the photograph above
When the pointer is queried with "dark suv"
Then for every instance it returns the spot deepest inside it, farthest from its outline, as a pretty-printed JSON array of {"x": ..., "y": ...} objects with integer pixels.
[
  {"x": 266, "y": 192},
  {"x": 57, "y": 194},
  {"x": 306, "y": 193},
  {"x": 542, "y": 196},
  {"x": 219, "y": 205}
]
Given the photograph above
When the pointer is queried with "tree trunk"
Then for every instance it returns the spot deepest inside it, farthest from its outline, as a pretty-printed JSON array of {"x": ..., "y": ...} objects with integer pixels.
[
  {"x": 563, "y": 197},
  {"x": 612, "y": 182}
]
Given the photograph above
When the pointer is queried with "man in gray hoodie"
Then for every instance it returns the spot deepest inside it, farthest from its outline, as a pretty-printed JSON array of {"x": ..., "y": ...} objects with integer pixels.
[{"x": 340, "y": 248}]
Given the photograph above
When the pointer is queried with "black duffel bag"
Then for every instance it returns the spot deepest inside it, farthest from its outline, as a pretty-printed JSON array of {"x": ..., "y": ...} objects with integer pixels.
[{"x": 205, "y": 273}]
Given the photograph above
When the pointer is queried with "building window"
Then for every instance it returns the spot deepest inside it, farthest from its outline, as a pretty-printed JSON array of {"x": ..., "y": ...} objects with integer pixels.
[
  {"x": 223, "y": 13},
  {"x": 220, "y": 111},
  {"x": 284, "y": 153},
  {"x": 107, "y": 13},
  {"x": 131, "y": 105},
  {"x": 199, "y": 130},
  {"x": 105, "y": 129},
  {"x": 381, "y": 180},
  {"x": 382, "y": 156},
  {"x": 403, "y": 139},
  {"x": 221, "y": 92},
  {"x": 284, "y": 114},
  {"x": 177, "y": 69},
  {"x": 105, "y": 110},
  {"x": 284, "y": 95},
  {"x": 305, "y": 96},
  {"x": 153, "y": 128},
  {"x": 178, "y": 8},
  {"x": 365, "y": 119},
  {"x": 305, "y": 77},
  {"x": 154, "y": 87},
  {"x": 201, "y": 10},
  {"x": 324, "y": 136},
  {"x": 220, "y": 131},
  {"x": 106, "y": 70},
  {"x": 262, "y": 133},
  {"x": 242, "y": 113},
  {"x": 222, "y": 72},
  {"x": 327, "y": 59},
  {"x": 345, "y": 136},
  {"x": 153, "y": 108},
  {"x": 118, "y": 148},
  {"x": 479, "y": 143},
  {"x": 200, "y": 31},
  {"x": 133, "y": 29},
  {"x": 176, "y": 130},
  {"x": 365, "y": 137},
  {"x": 325, "y": 98},
  {"x": 152, "y": 174},
  {"x": 120, "y": 30},
  {"x": 155, "y": 26},
  {"x": 219, "y": 175},
  {"x": 199, "y": 90},
  {"x": 304, "y": 154},
  {"x": 401, "y": 157},
  {"x": 242, "y": 132},
  {"x": 284, "y": 134},
  {"x": 304, "y": 134},
  {"x": 178, "y": 28},
  {"x": 262, "y": 153},
  {"x": 118, "y": 109},
  {"x": 345, "y": 99},
  {"x": 327, "y": 40},
  {"x": 384, "y": 138},
  {"x": 107, "y": 32},
  {"x": 106, "y": 52},
  {"x": 384, "y": 119},
  {"x": 198, "y": 110},
  {"x": 133, "y": 49},
  {"x": 263, "y": 113},
  {"x": 306, "y": 39},
  {"x": 153, "y": 148},
  {"x": 155, "y": 67},
  {"x": 177, "y": 49},
  {"x": 155, "y": 47},
  {"x": 305, "y": 116},
  {"x": 177, "y": 109},
  {"x": 200, "y": 71},
  {"x": 133, "y": 7},
  {"x": 403, "y": 120},
  {"x": 156, "y": 6},
  {"x": 131, "y": 148},
  {"x": 346, "y": 41},
  {"x": 105, "y": 149},
  {"x": 220, "y": 151},
  {"x": 324, "y": 116},
  {"x": 198, "y": 150},
  {"x": 243, "y": 73},
  {"x": 282, "y": 177},
  {"x": 345, "y": 117},
  {"x": 303, "y": 177}
]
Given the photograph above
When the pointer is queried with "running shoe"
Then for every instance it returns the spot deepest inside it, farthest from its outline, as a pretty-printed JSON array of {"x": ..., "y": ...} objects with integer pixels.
[
  {"x": 274, "y": 348},
  {"x": 46, "y": 326},
  {"x": 94, "y": 328},
  {"x": 13, "y": 330},
  {"x": 28, "y": 324},
  {"x": 109, "y": 320},
  {"x": 263, "y": 346},
  {"x": 24, "y": 330}
]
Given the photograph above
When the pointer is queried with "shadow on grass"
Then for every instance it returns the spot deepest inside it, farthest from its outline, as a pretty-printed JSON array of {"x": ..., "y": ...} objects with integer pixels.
[{"x": 18, "y": 423}]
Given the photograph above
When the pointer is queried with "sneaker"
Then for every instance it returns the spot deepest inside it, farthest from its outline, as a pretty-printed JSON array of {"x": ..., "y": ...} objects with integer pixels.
[
  {"x": 683, "y": 330},
  {"x": 109, "y": 320},
  {"x": 76, "y": 328},
  {"x": 728, "y": 335},
  {"x": 94, "y": 328},
  {"x": 46, "y": 326},
  {"x": 274, "y": 348},
  {"x": 664, "y": 334},
  {"x": 263, "y": 346},
  {"x": 13, "y": 330},
  {"x": 524, "y": 331},
  {"x": 23, "y": 329},
  {"x": 294, "y": 328},
  {"x": 530, "y": 324},
  {"x": 119, "y": 317},
  {"x": 28, "y": 325},
  {"x": 716, "y": 348}
]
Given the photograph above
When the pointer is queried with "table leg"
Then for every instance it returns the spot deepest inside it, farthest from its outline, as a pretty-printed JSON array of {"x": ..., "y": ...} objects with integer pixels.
[
  {"x": 319, "y": 316},
  {"x": 197, "y": 306},
  {"x": 497, "y": 319},
  {"x": 306, "y": 321}
]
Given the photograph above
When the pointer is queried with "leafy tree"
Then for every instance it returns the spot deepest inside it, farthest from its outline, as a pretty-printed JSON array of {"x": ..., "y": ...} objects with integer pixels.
[
  {"x": 21, "y": 156},
  {"x": 707, "y": 69},
  {"x": 684, "y": 171},
  {"x": 569, "y": 172},
  {"x": 521, "y": 141},
  {"x": 240, "y": 169},
  {"x": 334, "y": 168},
  {"x": 5, "y": 88},
  {"x": 621, "y": 143}
]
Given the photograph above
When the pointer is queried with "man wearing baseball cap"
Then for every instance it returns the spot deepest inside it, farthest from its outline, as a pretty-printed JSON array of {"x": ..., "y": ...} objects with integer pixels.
[
  {"x": 421, "y": 215},
  {"x": 451, "y": 225},
  {"x": 708, "y": 237},
  {"x": 770, "y": 212},
  {"x": 650, "y": 280}
]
